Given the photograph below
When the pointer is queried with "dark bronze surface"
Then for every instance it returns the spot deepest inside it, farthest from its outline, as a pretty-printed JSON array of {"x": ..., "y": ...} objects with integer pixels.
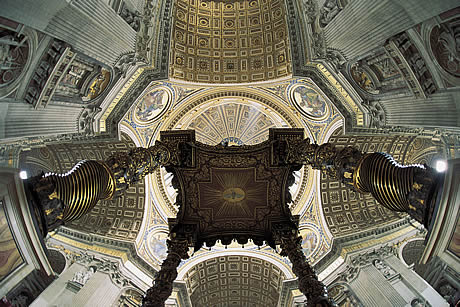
[{"x": 237, "y": 193}]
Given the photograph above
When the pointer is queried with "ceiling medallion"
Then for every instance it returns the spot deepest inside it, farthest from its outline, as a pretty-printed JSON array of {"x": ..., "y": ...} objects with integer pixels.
[
  {"x": 310, "y": 241},
  {"x": 156, "y": 245},
  {"x": 309, "y": 102},
  {"x": 152, "y": 105},
  {"x": 233, "y": 195}
]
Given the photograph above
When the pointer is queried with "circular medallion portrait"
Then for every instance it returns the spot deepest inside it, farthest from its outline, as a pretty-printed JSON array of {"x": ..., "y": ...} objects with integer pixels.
[
  {"x": 445, "y": 48},
  {"x": 152, "y": 105},
  {"x": 310, "y": 240},
  {"x": 309, "y": 102},
  {"x": 157, "y": 245}
]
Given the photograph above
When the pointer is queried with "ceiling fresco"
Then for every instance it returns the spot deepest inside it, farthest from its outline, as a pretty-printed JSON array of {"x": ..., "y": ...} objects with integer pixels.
[
  {"x": 229, "y": 41},
  {"x": 152, "y": 105},
  {"x": 235, "y": 116}
]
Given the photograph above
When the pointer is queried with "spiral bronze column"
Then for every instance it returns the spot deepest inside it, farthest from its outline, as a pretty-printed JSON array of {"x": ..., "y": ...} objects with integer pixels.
[
  {"x": 162, "y": 287},
  {"x": 59, "y": 198},
  {"x": 410, "y": 189},
  {"x": 313, "y": 289}
]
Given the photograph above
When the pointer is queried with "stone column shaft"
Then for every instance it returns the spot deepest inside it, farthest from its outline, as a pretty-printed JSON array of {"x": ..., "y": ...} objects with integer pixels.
[
  {"x": 57, "y": 294},
  {"x": 374, "y": 290},
  {"x": 91, "y": 27},
  {"x": 17, "y": 120},
  {"x": 98, "y": 291},
  {"x": 439, "y": 110}
]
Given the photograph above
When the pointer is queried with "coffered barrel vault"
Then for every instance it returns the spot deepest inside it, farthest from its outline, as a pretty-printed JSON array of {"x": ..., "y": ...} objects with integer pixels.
[
  {"x": 234, "y": 281},
  {"x": 229, "y": 42}
]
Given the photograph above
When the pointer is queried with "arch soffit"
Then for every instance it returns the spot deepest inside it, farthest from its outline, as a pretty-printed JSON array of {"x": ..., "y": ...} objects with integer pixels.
[
  {"x": 284, "y": 267},
  {"x": 182, "y": 109}
]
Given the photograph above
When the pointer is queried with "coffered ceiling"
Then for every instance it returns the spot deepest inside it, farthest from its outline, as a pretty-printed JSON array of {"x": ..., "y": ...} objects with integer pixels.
[
  {"x": 229, "y": 41},
  {"x": 234, "y": 281}
]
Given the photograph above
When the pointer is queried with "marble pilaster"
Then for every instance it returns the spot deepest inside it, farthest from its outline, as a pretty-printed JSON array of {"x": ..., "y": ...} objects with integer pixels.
[
  {"x": 90, "y": 27},
  {"x": 368, "y": 24}
]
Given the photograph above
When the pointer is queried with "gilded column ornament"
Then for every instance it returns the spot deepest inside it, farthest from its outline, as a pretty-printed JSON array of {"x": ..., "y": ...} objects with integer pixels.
[
  {"x": 325, "y": 157},
  {"x": 163, "y": 284},
  {"x": 127, "y": 169},
  {"x": 410, "y": 188},
  {"x": 60, "y": 198}
]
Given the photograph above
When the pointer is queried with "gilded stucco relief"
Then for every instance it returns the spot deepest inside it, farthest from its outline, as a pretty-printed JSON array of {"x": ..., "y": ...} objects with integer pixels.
[{"x": 229, "y": 42}]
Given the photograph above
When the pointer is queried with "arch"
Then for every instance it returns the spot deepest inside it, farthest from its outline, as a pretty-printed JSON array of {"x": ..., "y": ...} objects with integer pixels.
[
  {"x": 58, "y": 260},
  {"x": 283, "y": 266},
  {"x": 410, "y": 253},
  {"x": 28, "y": 40},
  {"x": 332, "y": 130},
  {"x": 234, "y": 278},
  {"x": 265, "y": 99}
]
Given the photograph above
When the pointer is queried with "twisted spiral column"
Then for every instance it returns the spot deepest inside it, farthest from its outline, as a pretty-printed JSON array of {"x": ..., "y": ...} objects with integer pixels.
[
  {"x": 60, "y": 198},
  {"x": 410, "y": 189},
  {"x": 397, "y": 187},
  {"x": 81, "y": 188},
  {"x": 162, "y": 288},
  {"x": 313, "y": 289}
]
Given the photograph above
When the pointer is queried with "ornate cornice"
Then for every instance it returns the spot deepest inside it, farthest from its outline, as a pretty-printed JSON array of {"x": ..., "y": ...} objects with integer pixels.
[
  {"x": 104, "y": 245},
  {"x": 343, "y": 246}
]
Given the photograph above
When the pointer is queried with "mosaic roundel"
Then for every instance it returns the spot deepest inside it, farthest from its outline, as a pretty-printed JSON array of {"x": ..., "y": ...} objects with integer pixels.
[
  {"x": 152, "y": 105},
  {"x": 157, "y": 245},
  {"x": 309, "y": 102},
  {"x": 310, "y": 240}
]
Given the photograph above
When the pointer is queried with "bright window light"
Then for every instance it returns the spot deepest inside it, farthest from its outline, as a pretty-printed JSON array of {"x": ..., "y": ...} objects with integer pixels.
[
  {"x": 441, "y": 166},
  {"x": 23, "y": 174}
]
